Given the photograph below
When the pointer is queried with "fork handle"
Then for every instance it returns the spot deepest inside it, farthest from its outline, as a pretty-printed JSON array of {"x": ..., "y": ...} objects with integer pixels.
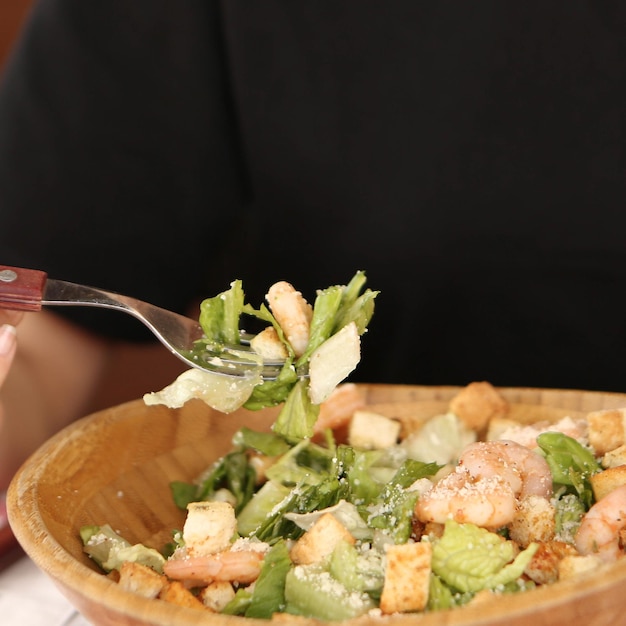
[{"x": 21, "y": 289}]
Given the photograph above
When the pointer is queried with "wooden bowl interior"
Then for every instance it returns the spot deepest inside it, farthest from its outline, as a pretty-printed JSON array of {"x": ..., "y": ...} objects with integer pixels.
[{"x": 115, "y": 467}]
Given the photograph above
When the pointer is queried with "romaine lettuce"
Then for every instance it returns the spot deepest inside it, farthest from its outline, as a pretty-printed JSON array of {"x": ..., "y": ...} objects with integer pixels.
[
  {"x": 469, "y": 558},
  {"x": 441, "y": 439},
  {"x": 219, "y": 316},
  {"x": 311, "y": 591},
  {"x": 110, "y": 550},
  {"x": 268, "y": 595},
  {"x": 231, "y": 472},
  {"x": 571, "y": 464}
]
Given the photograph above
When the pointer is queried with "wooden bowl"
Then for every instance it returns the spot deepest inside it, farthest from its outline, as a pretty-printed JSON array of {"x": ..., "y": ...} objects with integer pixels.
[{"x": 115, "y": 467}]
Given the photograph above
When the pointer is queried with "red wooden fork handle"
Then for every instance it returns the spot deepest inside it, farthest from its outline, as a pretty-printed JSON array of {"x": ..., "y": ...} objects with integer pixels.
[{"x": 21, "y": 289}]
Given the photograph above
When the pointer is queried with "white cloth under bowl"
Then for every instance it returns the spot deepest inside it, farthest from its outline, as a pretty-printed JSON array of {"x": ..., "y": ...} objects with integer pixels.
[{"x": 29, "y": 598}]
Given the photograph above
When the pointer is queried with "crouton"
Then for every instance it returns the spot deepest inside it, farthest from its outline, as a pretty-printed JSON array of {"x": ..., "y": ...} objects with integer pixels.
[
  {"x": 499, "y": 425},
  {"x": 534, "y": 521},
  {"x": 114, "y": 576},
  {"x": 320, "y": 540},
  {"x": 571, "y": 566},
  {"x": 268, "y": 345},
  {"x": 209, "y": 527},
  {"x": 477, "y": 404},
  {"x": 217, "y": 595},
  {"x": 433, "y": 530},
  {"x": 141, "y": 579},
  {"x": 543, "y": 568},
  {"x": 613, "y": 458},
  {"x": 176, "y": 593},
  {"x": 372, "y": 431},
  {"x": 604, "y": 482},
  {"x": 407, "y": 577},
  {"x": 606, "y": 430}
]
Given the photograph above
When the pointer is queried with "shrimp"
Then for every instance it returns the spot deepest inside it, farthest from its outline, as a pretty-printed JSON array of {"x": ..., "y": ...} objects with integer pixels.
[
  {"x": 292, "y": 312},
  {"x": 527, "y": 472},
  {"x": 338, "y": 408},
  {"x": 487, "y": 501},
  {"x": 599, "y": 531},
  {"x": 242, "y": 566},
  {"x": 526, "y": 435}
]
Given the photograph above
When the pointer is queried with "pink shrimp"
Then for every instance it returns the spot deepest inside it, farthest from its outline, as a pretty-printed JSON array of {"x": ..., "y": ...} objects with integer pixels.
[
  {"x": 599, "y": 531},
  {"x": 292, "y": 312},
  {"x": 242, "y": 566},
  {"x": 488, "y": 502},
  {"x": 527, "y": 472},
  {"x": 526, "y": 435},
  {"x": 338, "y": 408}
]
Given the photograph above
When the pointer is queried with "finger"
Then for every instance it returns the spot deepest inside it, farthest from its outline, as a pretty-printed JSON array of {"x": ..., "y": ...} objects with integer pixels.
[
  {"x": 10, "y": 317},
  {"x": 8, "y": 344}
]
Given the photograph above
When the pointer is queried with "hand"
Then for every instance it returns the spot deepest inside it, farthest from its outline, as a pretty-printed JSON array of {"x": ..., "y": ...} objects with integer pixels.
[
  {"x": 8, "y": 343},
  {"x": 60, "y": 372},
  {"x": 8, "y": 346}
]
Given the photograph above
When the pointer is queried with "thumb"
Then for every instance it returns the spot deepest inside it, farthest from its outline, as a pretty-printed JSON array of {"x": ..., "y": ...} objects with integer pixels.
[{"x": 8, "y": 344}]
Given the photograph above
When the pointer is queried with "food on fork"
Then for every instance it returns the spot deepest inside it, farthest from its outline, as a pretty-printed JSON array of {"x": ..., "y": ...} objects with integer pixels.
[
  {"x": 320, "y": 346},
  {"x": 293, "y": 314}
]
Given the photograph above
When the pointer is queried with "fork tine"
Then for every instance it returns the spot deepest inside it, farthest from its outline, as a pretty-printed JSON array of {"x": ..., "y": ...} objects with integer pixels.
[
  {"x": 182, "y": 335},
  {"x": 233, "y": 361}
]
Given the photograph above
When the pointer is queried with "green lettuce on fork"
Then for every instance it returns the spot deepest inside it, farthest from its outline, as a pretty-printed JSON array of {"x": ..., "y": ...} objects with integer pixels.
[{"x": 340, "y": 316}]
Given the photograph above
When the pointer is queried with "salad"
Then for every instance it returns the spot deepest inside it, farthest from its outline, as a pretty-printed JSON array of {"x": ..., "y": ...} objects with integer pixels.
[{"x": 340, "y": 511}]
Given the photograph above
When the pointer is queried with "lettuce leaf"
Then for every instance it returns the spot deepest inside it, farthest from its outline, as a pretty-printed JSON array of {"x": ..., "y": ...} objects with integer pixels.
[
  {"x": 392, "y": 511},
  {"x": 357, "y": 569},
  {"x": 469, "y": 558},
  {"x": 323, "y": 321},
  {"x": 569, "y": 512},
  {"x": 441, "y": 439},
  {"x": 269, "y": 444},
  {"x": 311, "y": 591},
  {"x": 298, "y": 414},
  {"x": 571, "y": 464},
  {"x": 273, "y": 392},
  {"x": 231, "y": 472},
  {"x": 354, "y": 307},
  {"x": 110, "y": 550},
  {"x": 268, "y": 595},
  {"x": 219, "y": 316}
]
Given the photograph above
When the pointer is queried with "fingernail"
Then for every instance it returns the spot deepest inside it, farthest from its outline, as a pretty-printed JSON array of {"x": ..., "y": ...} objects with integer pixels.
[{"x": 7, "y": 338}]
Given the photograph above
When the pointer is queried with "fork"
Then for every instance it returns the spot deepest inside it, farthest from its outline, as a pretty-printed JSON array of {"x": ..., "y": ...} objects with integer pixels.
[{"x": 28, "y": 290}]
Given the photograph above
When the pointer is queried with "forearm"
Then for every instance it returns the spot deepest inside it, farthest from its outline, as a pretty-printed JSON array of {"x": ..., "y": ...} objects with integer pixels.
[
  {"x": 61, "y": 373},
  {"x": 54, "y": 374}
]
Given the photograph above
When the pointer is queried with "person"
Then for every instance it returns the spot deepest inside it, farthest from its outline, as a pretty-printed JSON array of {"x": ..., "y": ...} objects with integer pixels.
[{"x": 469, "y": 157}]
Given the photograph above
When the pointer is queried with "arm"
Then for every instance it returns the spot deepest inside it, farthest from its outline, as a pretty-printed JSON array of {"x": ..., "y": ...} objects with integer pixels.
[
  {"x": 48, "y": 371},
  {"x": 54, "y": 371}
]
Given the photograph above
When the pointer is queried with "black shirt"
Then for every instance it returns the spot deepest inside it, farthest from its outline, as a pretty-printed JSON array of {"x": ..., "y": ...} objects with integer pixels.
[{"x": 468, "y": 156}]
